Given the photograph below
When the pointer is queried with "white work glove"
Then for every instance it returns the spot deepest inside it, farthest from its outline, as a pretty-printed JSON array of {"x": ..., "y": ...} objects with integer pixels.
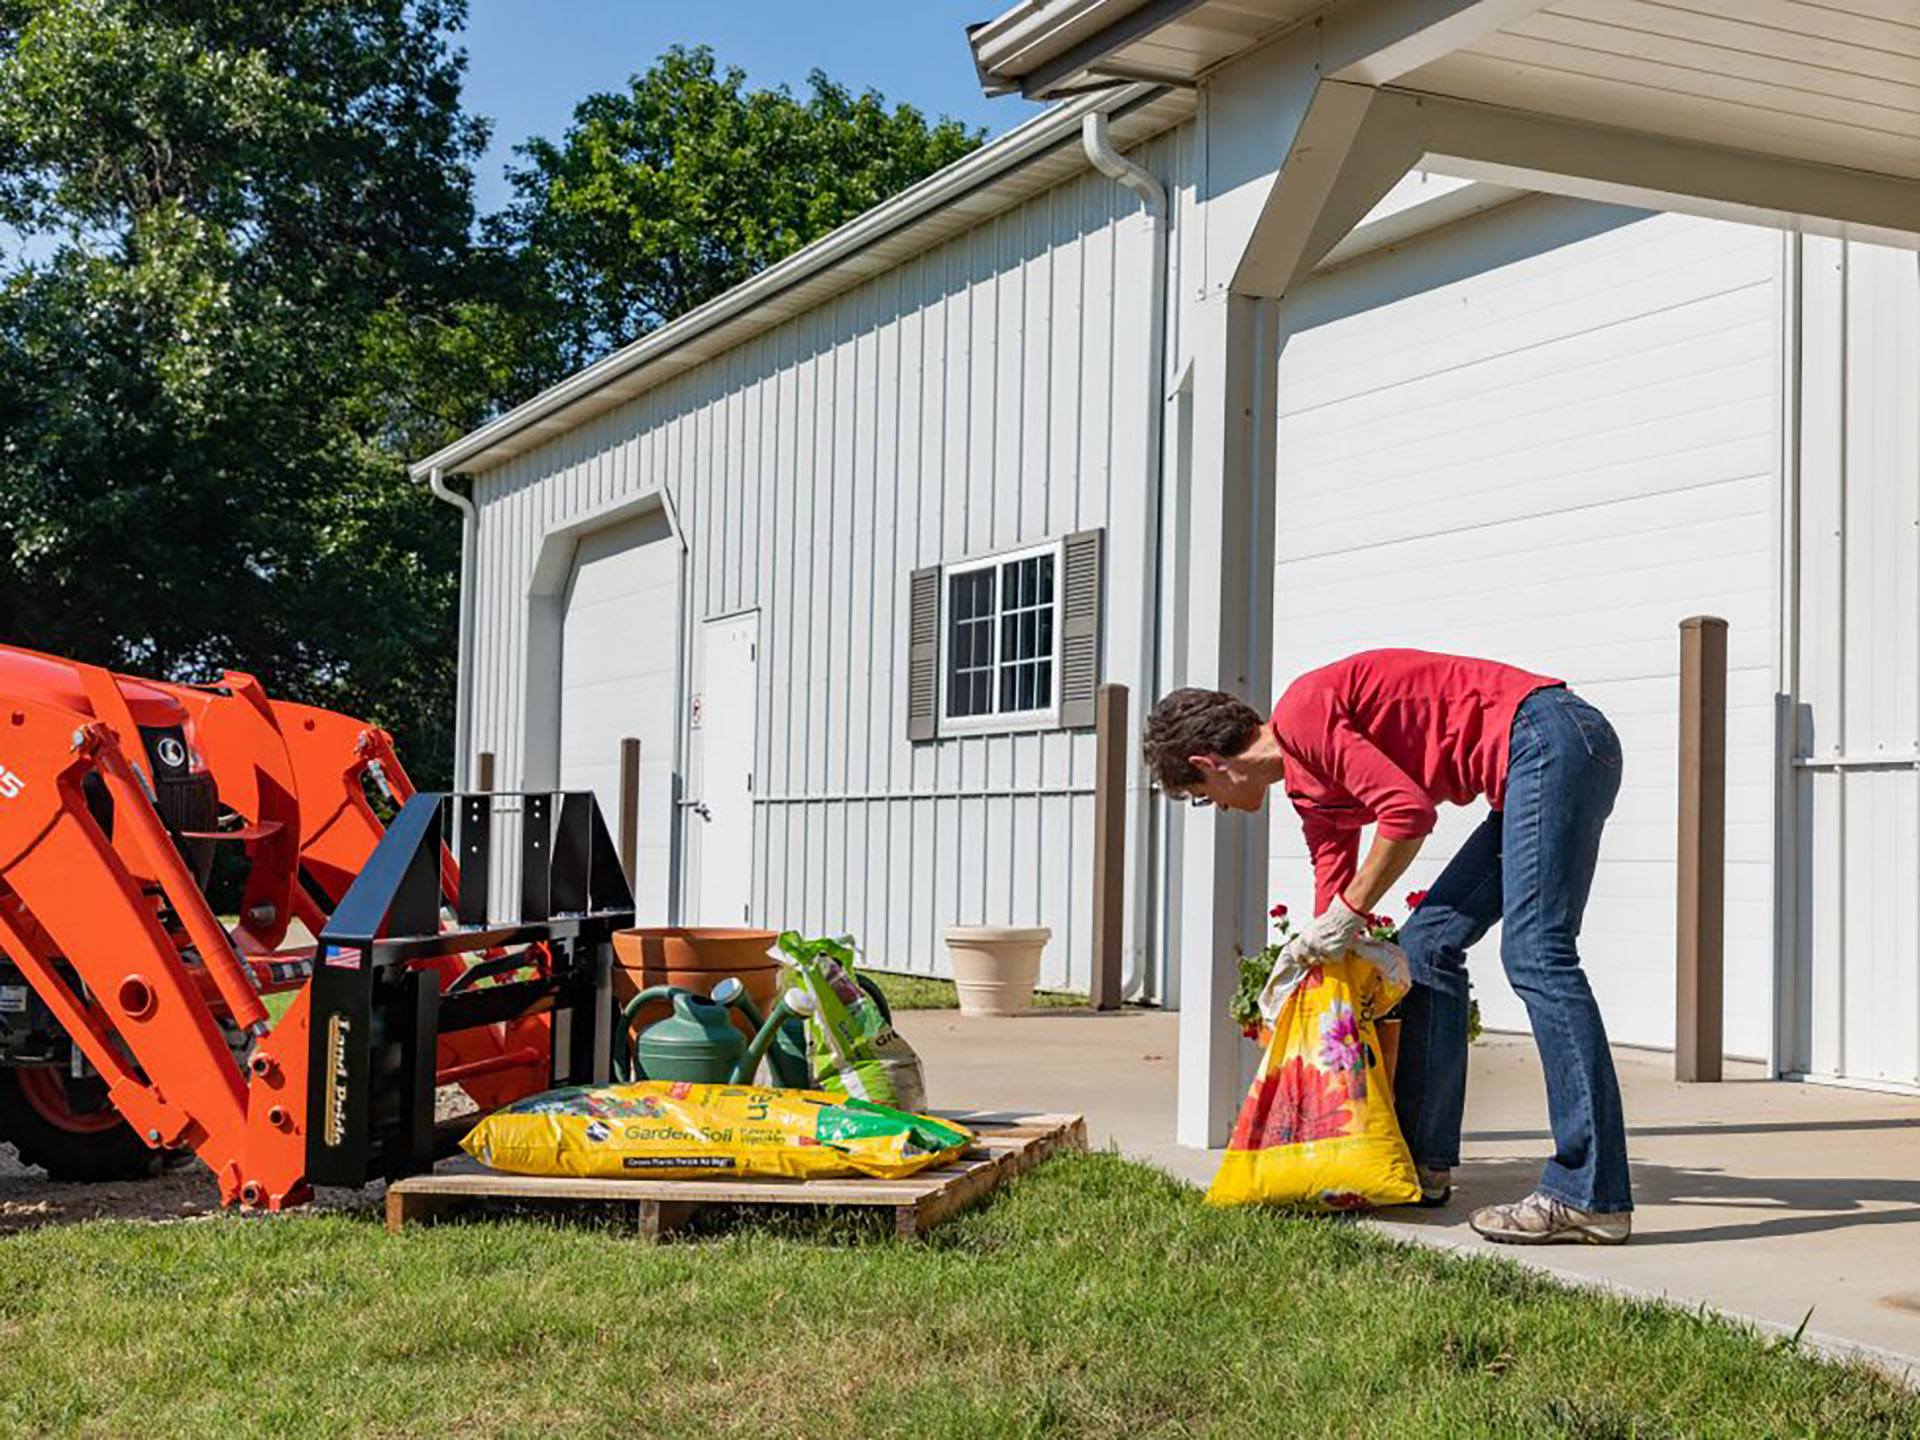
[{"x": 1328, "y": 936}]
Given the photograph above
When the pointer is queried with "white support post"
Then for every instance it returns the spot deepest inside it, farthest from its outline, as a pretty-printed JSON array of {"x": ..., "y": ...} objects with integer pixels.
[{"x": 1230, "y": 645}]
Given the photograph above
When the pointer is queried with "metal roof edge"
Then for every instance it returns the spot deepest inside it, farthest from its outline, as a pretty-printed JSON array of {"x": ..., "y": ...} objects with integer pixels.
[{"x": 1024, "y": 142}]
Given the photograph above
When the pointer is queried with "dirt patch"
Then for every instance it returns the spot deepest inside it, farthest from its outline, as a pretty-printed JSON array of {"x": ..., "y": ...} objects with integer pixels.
[
  {"x": 28, "y": 1199},
  {"x": 184, "y": 1190}
]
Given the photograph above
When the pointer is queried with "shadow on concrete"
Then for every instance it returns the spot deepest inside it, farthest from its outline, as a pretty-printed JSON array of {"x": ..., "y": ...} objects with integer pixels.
[{"x": 1792, "y": 1206}]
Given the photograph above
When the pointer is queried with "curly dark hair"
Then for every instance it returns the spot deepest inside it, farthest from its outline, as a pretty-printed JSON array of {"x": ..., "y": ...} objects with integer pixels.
[{"x": 1195, "y": 722}]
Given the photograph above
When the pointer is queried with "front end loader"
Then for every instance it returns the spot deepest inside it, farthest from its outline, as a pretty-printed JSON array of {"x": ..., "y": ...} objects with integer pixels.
[{"x": 134, "y": 1023}]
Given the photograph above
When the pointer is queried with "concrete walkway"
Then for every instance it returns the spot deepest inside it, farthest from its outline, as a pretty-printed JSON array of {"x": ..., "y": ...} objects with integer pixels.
[{"x": 1761, "y": 1199}]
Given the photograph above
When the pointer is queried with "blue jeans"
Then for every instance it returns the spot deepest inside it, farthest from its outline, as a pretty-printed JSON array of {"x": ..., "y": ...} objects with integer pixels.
[{"x": 1533, "y": 865}]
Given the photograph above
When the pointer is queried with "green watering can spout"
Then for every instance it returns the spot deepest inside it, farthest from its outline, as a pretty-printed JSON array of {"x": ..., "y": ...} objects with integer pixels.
[
  {"x": 794, "y": 1002},
  {"x": 699, "y": 1042}
]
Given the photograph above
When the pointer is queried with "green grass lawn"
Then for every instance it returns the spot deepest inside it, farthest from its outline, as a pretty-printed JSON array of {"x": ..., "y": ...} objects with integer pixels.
[
  {"x": 1094, "y": 1298},
  {"x": 924, "y": 992}
]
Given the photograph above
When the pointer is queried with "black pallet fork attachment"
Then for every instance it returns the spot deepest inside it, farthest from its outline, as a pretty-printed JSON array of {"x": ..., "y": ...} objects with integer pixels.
[{"x": 378, "y": 1009}]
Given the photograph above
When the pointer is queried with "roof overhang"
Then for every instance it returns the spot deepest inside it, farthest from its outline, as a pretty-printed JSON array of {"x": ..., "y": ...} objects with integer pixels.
[
  {"x": 1044, "y": 49},
  {"x": 1812, "y": 84}
]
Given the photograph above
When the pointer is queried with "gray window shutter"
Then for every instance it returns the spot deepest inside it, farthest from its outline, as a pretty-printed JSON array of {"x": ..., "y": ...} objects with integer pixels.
[
  {"x": 1080, "y": 628},
  {"x": 923, "y": 655}
]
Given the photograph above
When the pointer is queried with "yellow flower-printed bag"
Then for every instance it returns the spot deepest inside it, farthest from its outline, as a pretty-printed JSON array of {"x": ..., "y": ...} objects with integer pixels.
[{"x": 1317, "y": 1130}]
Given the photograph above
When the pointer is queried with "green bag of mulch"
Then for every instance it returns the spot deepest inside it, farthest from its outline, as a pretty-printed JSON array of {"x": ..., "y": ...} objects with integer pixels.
[{"x": 856, "y": 1050}]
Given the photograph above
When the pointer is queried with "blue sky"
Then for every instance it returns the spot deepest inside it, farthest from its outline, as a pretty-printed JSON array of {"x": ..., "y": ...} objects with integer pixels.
[{"x": 531, "y": 61}]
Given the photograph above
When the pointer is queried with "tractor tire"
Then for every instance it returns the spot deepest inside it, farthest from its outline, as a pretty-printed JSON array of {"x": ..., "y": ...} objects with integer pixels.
[{"x": 69, "y": 1128}]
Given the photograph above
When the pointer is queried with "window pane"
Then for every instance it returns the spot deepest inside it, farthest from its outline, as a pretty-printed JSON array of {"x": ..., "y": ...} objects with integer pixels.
[
  {"x": 1023, "y": 649},
  {"x": 970, "y": 660}
]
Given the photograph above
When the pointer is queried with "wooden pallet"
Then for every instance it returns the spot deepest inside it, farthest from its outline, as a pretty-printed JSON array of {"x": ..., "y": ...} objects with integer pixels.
[{"x": 1007, "y": 1143}]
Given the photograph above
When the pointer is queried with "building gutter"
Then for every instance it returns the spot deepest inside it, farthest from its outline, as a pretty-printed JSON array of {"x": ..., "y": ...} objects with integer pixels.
[
  {"x": 1098, "y": 144},
  {"x": 462, "y": 705},
  {"x": 1038, "y": 47},
  {"x": 1026, "y": 142}
]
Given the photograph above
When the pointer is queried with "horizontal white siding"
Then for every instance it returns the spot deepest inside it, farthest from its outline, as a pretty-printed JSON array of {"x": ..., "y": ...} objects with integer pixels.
[
  {"x": 1551, "y": 464},
  {"x": 984, "y": 394}
]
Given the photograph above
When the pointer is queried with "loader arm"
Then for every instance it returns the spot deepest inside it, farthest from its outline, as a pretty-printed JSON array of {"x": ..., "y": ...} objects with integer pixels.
[
  {"x": 73, "y": 906},
  {"x": 240, "y": 741}
]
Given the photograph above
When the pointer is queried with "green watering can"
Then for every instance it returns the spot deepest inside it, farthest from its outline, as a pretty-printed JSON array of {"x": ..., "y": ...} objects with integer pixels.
[{"x": 699, "y": 1043}]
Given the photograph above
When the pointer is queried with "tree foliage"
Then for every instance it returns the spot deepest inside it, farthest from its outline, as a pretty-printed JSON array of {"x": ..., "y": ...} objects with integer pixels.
[
  {"x": 242, "y": 283},
  {"x": 660, "y": 198},
  {"x": 246, "y": 218}
]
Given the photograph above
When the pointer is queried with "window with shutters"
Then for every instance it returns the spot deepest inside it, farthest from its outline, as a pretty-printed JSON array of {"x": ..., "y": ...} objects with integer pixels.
[
  {"x": 1001, "y": 641},
  {"x": 1006, "y": 642}
]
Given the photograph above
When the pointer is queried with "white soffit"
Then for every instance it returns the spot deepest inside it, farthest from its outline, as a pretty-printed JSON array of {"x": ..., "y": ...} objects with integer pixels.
[{"x": 1835, "y": 83}]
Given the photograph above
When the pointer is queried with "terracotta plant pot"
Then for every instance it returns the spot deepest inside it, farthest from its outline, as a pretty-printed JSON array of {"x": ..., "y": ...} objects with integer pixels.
[
  {"x": 994, "y": 966},
  {"x": 694, "y": 959},
  {"x": 1389, "y": 1033}
]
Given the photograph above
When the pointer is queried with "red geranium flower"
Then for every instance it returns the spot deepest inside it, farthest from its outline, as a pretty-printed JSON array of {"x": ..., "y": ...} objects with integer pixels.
[
  {"x": 1414, "y": 898},
  {"x": 1279, "y": 912}
]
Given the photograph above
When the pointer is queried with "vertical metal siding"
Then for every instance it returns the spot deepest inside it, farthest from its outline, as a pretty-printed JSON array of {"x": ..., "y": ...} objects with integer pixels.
[
  {"x": 1858, "y": 841},
  {"x": 962, "y": 401}
]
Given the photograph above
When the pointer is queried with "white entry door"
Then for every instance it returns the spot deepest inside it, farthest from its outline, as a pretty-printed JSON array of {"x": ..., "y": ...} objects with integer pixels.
[
  {"x": 726, "y": 706},
  {"x": 618, "y": 663}
]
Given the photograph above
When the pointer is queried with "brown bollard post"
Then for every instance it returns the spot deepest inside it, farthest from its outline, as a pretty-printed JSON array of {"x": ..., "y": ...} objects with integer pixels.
[
  {"x": 1109, "y": 844},
  {"x": 1700, "y": 911},
  {"x": 630, "y": 808}
]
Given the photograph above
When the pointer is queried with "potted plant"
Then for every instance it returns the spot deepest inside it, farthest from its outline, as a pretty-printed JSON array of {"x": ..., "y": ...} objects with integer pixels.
[{"x": 1244, "y": 1006}]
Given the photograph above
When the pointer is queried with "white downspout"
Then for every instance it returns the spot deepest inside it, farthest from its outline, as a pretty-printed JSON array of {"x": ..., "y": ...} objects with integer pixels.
[
  {"x": 463, "y": 685},
  {"x": 1097, "y": 142}
]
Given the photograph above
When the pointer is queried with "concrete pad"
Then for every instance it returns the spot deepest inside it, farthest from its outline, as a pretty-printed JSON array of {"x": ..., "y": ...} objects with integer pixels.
[{"x": 1760, "y": 1198}]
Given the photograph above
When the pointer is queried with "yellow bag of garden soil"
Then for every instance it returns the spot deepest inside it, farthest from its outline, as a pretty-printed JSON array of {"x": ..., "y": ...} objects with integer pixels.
[
  {"x": 1317, "y": 1130},
  {"x": 669, "y": 1128}
]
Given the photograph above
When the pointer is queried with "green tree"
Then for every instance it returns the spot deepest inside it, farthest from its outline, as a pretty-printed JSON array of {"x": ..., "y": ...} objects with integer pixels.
[
  {"x": 251, "y": 227},
  {"x": 245, "y": 287},
  {"x": 660, "y": 198}
]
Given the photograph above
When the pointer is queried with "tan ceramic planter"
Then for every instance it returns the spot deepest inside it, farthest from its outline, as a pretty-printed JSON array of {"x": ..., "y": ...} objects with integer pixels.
[{"x": 994, "y": 966}]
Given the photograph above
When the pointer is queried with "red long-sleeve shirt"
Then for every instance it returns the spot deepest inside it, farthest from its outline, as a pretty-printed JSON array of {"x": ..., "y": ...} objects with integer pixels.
[{"x": 1383, "y": 738}]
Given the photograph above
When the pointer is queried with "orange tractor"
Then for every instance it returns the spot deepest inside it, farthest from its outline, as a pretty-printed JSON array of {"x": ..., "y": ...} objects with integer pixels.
[{"x": 134, "y": 1023}]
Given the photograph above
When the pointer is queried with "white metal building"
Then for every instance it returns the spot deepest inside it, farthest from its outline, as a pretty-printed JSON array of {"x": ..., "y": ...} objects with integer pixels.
[{"x": 1493, "y": 327}]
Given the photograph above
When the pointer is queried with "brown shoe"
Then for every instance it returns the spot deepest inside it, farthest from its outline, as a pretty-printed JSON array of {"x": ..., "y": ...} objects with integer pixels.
[
  {"x": 1436, "y": 1185},
  {"x": 1540, "y": 1219}
]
